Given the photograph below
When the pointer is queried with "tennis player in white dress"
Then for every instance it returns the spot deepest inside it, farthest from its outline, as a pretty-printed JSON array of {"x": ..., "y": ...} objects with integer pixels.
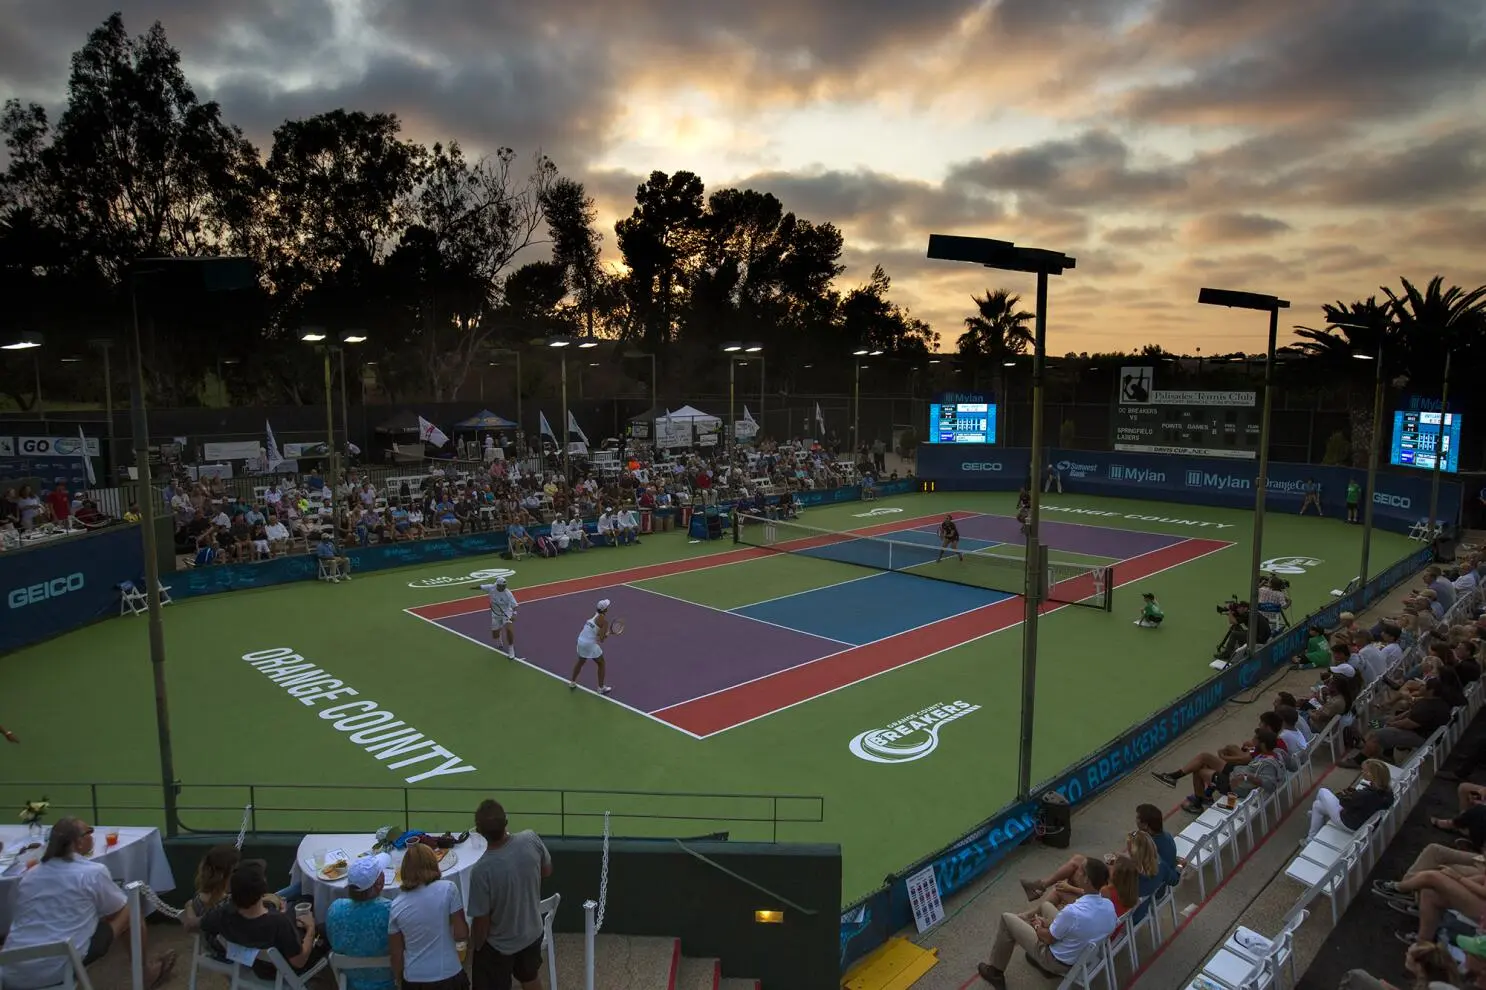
[
  {"x": 591, "y": 645},
  {"x": 502, "y": 616}
]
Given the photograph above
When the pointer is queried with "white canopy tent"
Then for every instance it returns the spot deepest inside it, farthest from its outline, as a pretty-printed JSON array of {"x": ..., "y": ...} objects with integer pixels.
[{"x": 685, "y": 426}]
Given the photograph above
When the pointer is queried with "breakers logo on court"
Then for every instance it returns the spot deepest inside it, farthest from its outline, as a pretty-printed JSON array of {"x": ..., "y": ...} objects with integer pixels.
[
  {"x": 885, "y": 511},
  {"x": 910, "y": 738},
  {"x": 1290, "y": 565},
  {"x": 992, "y": 466},
  {"x": 1139, "y": 476},
  {"x": 35, "y": 594},
  {"x": 443, "y": 582},
  {"x": 1073, "y": 469}
]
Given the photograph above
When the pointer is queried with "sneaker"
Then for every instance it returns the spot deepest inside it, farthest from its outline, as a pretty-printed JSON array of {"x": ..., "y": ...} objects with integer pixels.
[
  {"x": 1388, "y": 888},
  {"x": 1407, "y": 938},
  {"x": 572, "y": 685},
  {"x": 1032, "y": 889},
  {"x": 1403, "y": 907},
  {"x": 992, "y": 975},
  {"x": 1169, "y": 779},
  {"x": 605, "y": 689},
  {"x": 1194, "y": 805},
  {"x": 348, "y": 577}
]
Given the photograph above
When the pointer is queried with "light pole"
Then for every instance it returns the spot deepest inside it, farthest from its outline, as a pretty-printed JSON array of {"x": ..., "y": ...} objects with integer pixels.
[
  {"x": 105, "y": 345},
  {"x": 562, "y": 344},
  {"x": 318, "y": 337},
  {"x": 1440, "y": 452},
  {"x": 28, "y": 342},
  {"x": 349, "y": 337},
  {"x": 1271, "y": 305},
  {"x": 221, "y": 381},
  {"x": 736, "y": 352},
  {"x": 1005, "y": 256},
  {"x": 856, "y": 395},
  {"x": 520, "y": 430},
  {"x": 1372, "y": 448},
  {"x": 633, "y": 353}
]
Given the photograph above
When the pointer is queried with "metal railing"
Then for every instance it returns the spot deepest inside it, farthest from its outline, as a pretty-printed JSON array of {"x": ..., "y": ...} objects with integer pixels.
[{"x": 565, "y": 812}]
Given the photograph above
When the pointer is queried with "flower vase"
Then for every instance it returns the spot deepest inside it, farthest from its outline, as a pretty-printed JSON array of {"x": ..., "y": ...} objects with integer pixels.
[{"x": 33, "y": 830}]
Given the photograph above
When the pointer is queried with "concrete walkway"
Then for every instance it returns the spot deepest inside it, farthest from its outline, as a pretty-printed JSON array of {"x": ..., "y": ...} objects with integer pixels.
[{"x": 1257, "y": 893}]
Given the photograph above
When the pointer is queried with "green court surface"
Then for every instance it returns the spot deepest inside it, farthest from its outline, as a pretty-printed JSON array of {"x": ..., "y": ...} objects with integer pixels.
[{"x": 689, "y": 713}]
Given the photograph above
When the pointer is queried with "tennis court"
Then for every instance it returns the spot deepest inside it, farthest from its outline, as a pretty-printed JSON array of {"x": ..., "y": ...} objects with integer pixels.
[{"x": 800, "y": 611}]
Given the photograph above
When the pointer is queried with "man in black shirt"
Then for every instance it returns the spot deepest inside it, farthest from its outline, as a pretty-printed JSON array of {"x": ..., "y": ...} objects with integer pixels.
[
  {"x": 246, "y": 921},
  {"x": 1409, "y": 730}
]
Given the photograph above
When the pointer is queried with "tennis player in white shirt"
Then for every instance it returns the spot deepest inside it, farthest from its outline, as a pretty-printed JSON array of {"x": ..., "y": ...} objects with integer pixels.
[
  {"x": 591, "y": 645},
  {"x": 628, "y": 525},
  {"x": 502, "y": 616}
]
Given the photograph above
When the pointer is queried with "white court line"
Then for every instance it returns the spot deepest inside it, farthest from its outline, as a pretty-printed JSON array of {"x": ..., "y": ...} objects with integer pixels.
[
  {"x": 542, "y": 670},
  {"x": 694, "y": 570},
  {"x": 909, "y": 663},
  {"x": 739, "y": 615},
  {"x": 811, "y": 591}
]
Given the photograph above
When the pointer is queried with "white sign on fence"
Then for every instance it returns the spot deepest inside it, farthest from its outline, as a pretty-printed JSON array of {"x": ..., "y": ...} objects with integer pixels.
[
  {"x": 233, "y": 450},
  {"x": 50, "y": 447}
]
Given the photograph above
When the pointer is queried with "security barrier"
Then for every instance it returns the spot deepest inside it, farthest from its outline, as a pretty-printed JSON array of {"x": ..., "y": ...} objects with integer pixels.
[
  {"x": 65, "y": 583},
  {"x": 1399, "y": 500}
]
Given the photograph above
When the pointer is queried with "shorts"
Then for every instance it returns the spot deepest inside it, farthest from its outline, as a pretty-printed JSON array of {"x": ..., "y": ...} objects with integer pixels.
[
  {"x": 459, "y": 981},
  {"x": 494, "y": 970},
  {"x": 590, "y": 651},
  {"x": 101, "y": 941},
  {"x": 1156, "y": 619},
  {"x": 496, "y": 625}
]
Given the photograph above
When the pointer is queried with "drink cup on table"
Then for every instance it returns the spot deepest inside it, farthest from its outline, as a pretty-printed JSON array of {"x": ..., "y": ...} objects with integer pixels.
[{"x": 111, "y": 839}]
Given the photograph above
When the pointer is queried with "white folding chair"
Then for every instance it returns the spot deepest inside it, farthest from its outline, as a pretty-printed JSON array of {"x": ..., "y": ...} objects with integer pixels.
[
  {"x": 74, "y": 974},
  {"x": 548, "y": 909},
  {"x": 1198, "y": 852},
  {"x": 1093, "y": 962},
  {"x": 340, "y": 963},
  {"x": 132, "y": 600}
]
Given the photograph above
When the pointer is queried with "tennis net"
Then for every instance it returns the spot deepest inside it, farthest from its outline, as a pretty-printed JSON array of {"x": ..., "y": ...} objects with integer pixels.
[{"x": 1070, "y": 584}]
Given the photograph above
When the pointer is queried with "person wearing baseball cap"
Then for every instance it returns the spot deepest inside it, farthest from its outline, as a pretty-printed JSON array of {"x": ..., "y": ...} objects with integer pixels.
[
  {"x": 357, "y": 923},
  {"x": 591, "y": 645}
]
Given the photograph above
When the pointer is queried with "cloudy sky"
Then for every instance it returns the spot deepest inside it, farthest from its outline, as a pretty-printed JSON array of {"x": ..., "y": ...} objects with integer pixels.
[{"x": 1311, "y": 148}]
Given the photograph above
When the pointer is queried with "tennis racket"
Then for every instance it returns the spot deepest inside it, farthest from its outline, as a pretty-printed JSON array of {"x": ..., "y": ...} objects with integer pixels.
[{"x": 617, "y": 626}]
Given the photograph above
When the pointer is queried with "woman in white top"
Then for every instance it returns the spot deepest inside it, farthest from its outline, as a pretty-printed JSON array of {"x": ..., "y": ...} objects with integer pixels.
[
  {"x": 502, "y": 616},
  {"x": 591, "y": 645},
  {"x": 425, "y": 921}
]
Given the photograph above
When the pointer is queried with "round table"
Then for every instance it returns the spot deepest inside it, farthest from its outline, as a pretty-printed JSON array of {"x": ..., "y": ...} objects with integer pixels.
[
  {"x": 312, "y": 849},
  {"x": 139, "y": 855}
]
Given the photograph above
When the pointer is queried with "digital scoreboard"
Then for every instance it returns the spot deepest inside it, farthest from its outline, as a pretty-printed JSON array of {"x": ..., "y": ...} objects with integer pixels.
[
  {"x": 1418, "y": 440},
  {"x": 962, "y": 418},
  {"x": 1194, "y": 422}
]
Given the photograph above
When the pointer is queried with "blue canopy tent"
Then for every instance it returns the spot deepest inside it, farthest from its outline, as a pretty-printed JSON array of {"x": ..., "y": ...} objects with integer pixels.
[{"x": 485, "y": 420}]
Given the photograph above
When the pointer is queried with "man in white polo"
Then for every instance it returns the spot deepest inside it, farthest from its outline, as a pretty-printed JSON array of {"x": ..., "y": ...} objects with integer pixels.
[
  {"x": 1054, "y": 939},
  {"x": 606, "y": 529}
]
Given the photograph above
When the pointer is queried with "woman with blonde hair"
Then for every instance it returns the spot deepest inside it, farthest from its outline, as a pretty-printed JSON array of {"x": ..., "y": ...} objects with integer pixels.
[
  {"x": 1355, "y": 805},
  {"x": 426, "y": 919}
]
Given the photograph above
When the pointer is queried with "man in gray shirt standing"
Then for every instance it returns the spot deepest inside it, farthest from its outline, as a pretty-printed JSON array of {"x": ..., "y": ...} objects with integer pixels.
[{"x": 505, "y": 898}]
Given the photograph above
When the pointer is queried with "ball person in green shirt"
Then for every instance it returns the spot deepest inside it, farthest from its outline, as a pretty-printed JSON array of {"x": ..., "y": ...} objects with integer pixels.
[
  {"x": 1354, "y": 496},
  {"x": 1150, "y": 613}
]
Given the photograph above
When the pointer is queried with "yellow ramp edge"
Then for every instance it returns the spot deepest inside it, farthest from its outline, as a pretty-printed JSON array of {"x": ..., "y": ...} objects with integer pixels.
[{"x": 897, "y": 965}]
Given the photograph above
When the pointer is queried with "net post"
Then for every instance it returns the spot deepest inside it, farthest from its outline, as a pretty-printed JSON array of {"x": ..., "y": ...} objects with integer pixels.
[
  {"x": 737, "y": 527},
  {"x": 1109, "y": 586}
]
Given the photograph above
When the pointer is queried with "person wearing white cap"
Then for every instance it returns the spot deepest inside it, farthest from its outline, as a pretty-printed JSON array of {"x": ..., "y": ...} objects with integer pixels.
[
  {"x": 357, "y": 923},
  {"x": 502, "y": 616},
  {"x": 591, "y": 645}
]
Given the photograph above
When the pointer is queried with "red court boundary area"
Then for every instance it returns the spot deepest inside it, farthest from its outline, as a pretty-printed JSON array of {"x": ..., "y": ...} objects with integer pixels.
[
  {"x": 670, "y": 568},
  {"x": 731, "y": 707}
]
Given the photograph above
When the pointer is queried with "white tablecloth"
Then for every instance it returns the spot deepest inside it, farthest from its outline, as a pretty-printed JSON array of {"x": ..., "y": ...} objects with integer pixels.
[
  {"x": 310, "y": 857},
  {"x": 140, "y": 855}
]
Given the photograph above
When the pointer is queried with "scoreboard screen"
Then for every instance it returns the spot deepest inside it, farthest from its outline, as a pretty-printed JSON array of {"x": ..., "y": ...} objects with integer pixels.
[
  {"x": 1188, "y": 422},
  {"x": 962, "y": 422},
  {"x": 1417, "y": 440}
]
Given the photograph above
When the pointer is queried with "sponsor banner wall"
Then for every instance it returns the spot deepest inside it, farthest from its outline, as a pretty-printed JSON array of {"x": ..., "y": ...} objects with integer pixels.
[
  {"x": 870, "y": 922},
  {"x": 65, "y": 583},
  {"x": 1398, "y": 503}
]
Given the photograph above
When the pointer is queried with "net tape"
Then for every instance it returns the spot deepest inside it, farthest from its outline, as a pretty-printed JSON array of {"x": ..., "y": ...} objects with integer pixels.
[{"x": 1076, "y": 584}]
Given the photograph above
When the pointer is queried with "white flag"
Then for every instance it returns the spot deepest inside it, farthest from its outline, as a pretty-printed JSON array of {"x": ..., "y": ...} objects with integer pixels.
[
  {"x": 275, "y": 458},
  {"x": 544, "y": 427},
  {"x": 87, "y": 461},
  {"x": 574, "y": 428},
  {"x": 748, "y": 416},
  {"x": 820, "y": 421},
  {"x": 429, "y": 433}
]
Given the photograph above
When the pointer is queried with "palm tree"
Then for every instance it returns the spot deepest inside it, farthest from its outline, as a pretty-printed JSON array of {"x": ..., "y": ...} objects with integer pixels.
[
  {"x": 995, "y": 334},
  {"x": 1436, "y": 322},
  {"x": 1351, "y": 329}
]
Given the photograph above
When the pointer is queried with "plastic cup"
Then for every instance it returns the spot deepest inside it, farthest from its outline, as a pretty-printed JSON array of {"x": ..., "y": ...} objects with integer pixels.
[
  {"x": 111, "y": 839},
  {"x": 302, "y": 912},
  {"x": 462, "y": 948}
]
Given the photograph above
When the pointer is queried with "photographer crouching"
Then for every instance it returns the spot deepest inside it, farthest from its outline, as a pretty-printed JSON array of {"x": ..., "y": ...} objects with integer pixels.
[{"x": 1238, "y": 615}]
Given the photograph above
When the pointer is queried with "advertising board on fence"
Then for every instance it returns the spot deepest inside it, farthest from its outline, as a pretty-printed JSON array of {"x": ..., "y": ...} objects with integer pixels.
[
  {"x": 870, "y": 922},
  {"x": 1398, "y": 502},
  {"x": 65, "y": 583}
]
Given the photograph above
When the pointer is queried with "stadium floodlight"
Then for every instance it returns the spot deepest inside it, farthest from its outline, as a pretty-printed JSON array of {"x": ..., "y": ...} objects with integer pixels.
[
  {"x": 312, "y": 335},
  {"x": 1006, "y": 256},
  {"x": 736, "y": 352},
  {"x": 1234, "y": 299},
  {"x": 23, "y": 342}
]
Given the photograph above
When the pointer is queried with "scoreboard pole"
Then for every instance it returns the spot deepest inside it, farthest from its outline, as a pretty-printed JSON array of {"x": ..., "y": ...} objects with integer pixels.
[
  {"x": 1372, "y": 466},
  {"x": 1035, "y": 585},
  {"x": 1439, "y": 447}
]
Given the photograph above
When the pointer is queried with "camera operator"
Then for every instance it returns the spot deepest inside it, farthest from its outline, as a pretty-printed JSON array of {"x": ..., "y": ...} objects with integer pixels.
[{"x": 1237, "y": 614}]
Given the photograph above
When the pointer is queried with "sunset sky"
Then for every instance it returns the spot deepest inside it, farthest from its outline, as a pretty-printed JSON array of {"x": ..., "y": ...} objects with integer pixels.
[{"x": 1311, "y": 148}]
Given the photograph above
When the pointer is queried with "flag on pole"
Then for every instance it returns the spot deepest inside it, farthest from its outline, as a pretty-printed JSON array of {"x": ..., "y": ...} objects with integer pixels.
[
  {"x": 544, "y": 427},
  {"x": 748, "y": 416},
  {"x": 429, "y": 433},
  {"x": 575, "y": 429},
  {"x": 275, "y": 458},
  {"x": 820, "y": 421},
  {"x": 87, "y": 461}
]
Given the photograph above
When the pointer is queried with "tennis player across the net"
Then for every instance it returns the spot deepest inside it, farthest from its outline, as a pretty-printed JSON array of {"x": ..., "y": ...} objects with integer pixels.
[{"x": 1072, "y": 584}]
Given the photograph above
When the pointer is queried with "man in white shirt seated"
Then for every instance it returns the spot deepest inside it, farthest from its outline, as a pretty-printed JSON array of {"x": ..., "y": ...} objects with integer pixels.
[
  {"x": 69, "y": 898},
  {"x": 577, "y": 535},
  {"x": 1367, "y": 657},
  {"x": 222, "y": 520},
  {"x": 627, "y": 525},
  {"x": 1054, "y": 939},
  {"x": 278, "y": 535},
  {"x": 606, "y": 529}
]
